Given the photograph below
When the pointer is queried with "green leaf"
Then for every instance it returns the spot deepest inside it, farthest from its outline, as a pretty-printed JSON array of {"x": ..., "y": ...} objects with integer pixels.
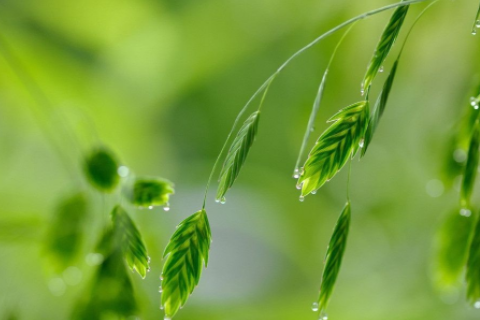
[
  {"x": 65, "y": 233},
  {"x": 473, "y": 268},
  {"x": 333, "y": 258},
  {"x": 101, "y": 170},
  {"x": 186, "y": 253},
  {"x": 385, "y": 44},
  {"x": 150, "y": 192},
  {"x": 129, "y": 239},
  {"x": 111, "y": 292},
  {"x": 453, "y": 241},
  {"x": 471, "y": 167},
  {"x": 380, "y": 105},
  {"x": 237, "y": 154},
  {"x": 333, "y": 148}
]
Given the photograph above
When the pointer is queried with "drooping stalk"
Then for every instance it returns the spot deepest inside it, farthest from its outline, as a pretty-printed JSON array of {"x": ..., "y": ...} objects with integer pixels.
[
  {"x": 282, "y": 66},
  {"x": 316, "y": 106}
]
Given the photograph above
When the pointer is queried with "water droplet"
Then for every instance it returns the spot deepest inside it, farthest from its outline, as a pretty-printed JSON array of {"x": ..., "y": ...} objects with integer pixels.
[
  {"x": 362, "y": 92},
  {"x": 296, "y": 173},
  {"x": 161, "y": 277},
  {"x": 217, "y": 200},
  {"x": 434, "y": 188},
  {"x": 123, "y": 171},
  {"x": 223, "y": 200},
  {"x": 299, "y": 186},
  {"x": 477, "y": 23},
  {"x": 381, "y": 69},
  {"x": 57, "y": 286},
  {"x": 475, "y": 107},
  {"x": 72, "y": 276},
  {"x": 150, "y": 207},
  {"x": 148, "y": 269},
  {"x": 361, "y": 143},
  {"x": 160, "y": 289},
  {"x": 149, "y": 259},
  {"x": 315, "y": 307},
  {"x": 167, "y": 318},
  {"x": 465, "y": 212},
  {"x": 94, "y": 259},
  {"x": 474, "y": 31},
  {"x": 460, "y": 155},
  {"x": 314, "y": 192},
  {"x": 161, "y": 307},
  {"x": 476, "y": 305},
  {"x": 302, "y": 198},
  {"x": 323, "y": 316},
  {"x": 166, "y": 207}
]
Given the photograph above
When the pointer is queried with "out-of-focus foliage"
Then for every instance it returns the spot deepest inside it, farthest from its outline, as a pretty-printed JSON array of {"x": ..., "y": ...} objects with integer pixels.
[
  {"x": 149, "y": 192},
  {"x": 162, "y": 81},
  {"x": 101, "y": 170},
  {"x": 66, "y": 231}
]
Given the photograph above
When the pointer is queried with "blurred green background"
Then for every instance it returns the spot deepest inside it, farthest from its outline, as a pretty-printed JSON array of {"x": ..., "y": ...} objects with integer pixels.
[{"x": 162, "y": 81}]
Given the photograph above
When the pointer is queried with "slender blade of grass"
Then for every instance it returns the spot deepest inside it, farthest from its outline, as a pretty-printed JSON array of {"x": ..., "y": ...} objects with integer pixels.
[
  {"x": 473, "y": 268},
  {"x": 185, "y": 255},
  {"x": 333, "y": 148},
  {"x": 316, "y": 105},
  {"x": 384, "y": 46},
  {"x": 333, "y": 258},
  {"x": 471, "y": 167},
  {"x": 453, "y": 242},
  {"x": 237, "y": 154},
  {"x": 380, "y": 105}
]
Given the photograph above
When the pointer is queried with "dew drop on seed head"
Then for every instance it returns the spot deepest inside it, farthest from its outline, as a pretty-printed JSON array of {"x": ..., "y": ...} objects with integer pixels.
[
  {"x": 474, "y": 31},
  {"x": 323, "y": 316},
  {"x": 148, "y": 259},
  {"x": 299, "y": 186},
  {"x": 161, "y": 307},
  {"x": 361, "y": 143},
  {"x": 315, "y": 307},
  {"x": 314, "y": 192},
  {"x": 167, "y": 318},
  {"x": 381, "y": 69},
  {"x": 150, "y": 207},
  {"x": 160, "y": 289},
  {"x": 296, "y": 173},
  {"x": 166, "y": 207},
  {"x": 223, "y": 200},
  {"x": 302, "y": 198},
  {"x": 362, "y": 92},
  {"x": 477, "y": 23},
  {"x": 465, "y": 212},
  {"x": 148, "y": 269},
  {"x": 217, "y": 200},
  {"x": 161, "y": 277}
]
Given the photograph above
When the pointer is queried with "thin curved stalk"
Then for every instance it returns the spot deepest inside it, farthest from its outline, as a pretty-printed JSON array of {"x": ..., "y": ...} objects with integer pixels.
[
  {"x": 316, "y": 106},
  {"x": 282, "y": 66}
]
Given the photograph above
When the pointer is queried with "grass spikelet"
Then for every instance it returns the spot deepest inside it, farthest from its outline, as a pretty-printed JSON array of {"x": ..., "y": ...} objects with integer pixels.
[
  {"x": 384, "y": 46},
  {"x": 111, "y": 294},
  {"x": 130, "y": 241},
  {"x": 101, "y": 170},
  {"x": 66, "y": 230},
  {"x": 333, "y": 148},
  {"x": 471, "y": 167},
  {"x": 333, "y": 258},
  {"x": 186, "y": 253},
  {"x": 473, "y": 268},
  {"x": 380, "y": 105},
  {"x": 150, "y": 192},
  {"x": 237, "y": 154},
  {"x": 453, "y": 242}
]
